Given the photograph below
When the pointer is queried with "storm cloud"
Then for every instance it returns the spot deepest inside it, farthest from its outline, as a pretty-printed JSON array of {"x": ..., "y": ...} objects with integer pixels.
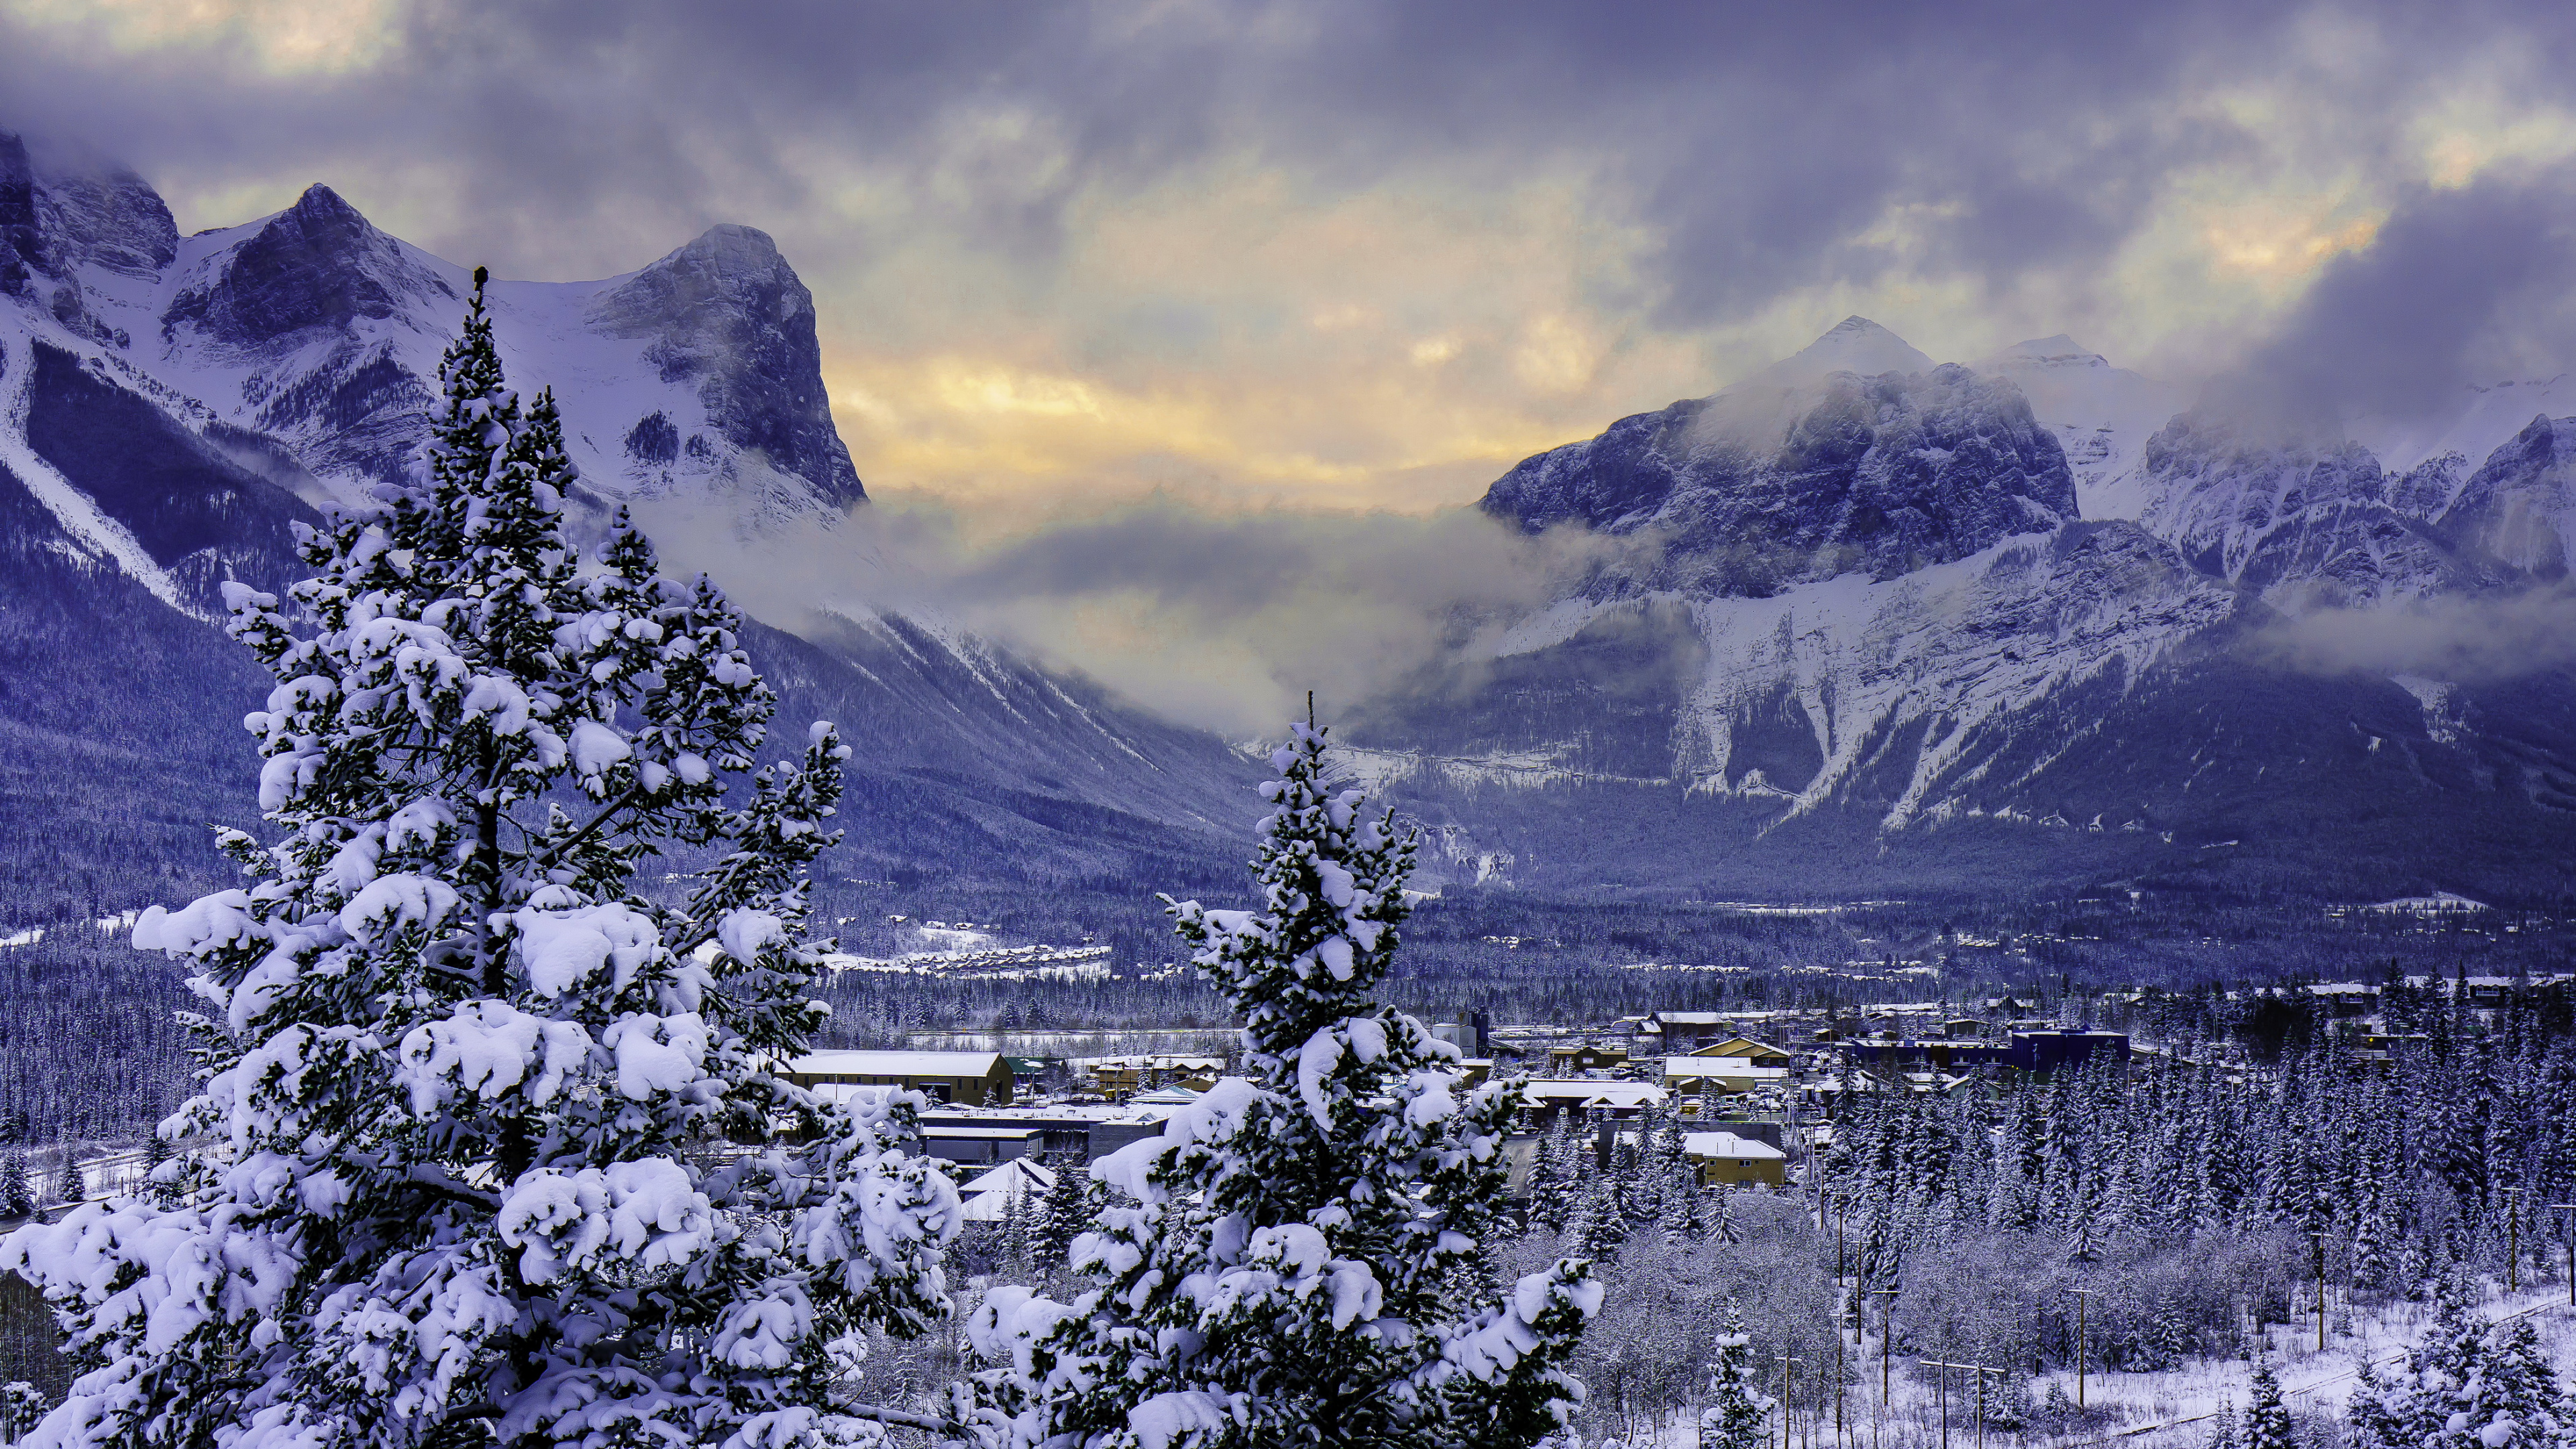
[{"x": 2462, "y": 285}]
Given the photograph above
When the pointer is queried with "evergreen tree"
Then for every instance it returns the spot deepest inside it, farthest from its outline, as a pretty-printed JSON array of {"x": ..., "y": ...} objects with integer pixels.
[
  {"x": 1294, "y": 1259},
  {"x": 2267, "y": 1421},
  {"x": 1065, "y": 1215},
  {"x": 1605, "y": 1219},
  {"x": 460, "y": 1072},
  {"x": 1737, "y": 1416},
  {"x": 2223, "y": 1432},
  {"x": 1545, "y": 1187},
  {"x": 17, "y": 1199},
  {"x": 1012, "y": 1247},
  {"x": 22, "y": 1404},
  {"x": 1721, "y": 1217}
]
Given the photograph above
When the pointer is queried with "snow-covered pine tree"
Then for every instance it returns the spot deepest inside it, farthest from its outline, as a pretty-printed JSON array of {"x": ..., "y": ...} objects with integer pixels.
[
  {"x": 1721, "y": 1217},
  {"x": 2267, "y": 1420},
  {"x": 17, "y": 1199},
  {"x": 2223, "y": 1430},
  {"x": 461, "y": 1073},
  {"x": 1064, "y": 1215},
  {"x": 1605, "y": 1216},
  {"x": 1295, "y": 1259},
  {"x": 1737, "y": 1416},
  {"x": 22, "y": 1405},
  {"x": 1011, "y": 1248}
]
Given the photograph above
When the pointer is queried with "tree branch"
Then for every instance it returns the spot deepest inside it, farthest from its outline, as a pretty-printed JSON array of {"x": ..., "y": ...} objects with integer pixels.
[
  {"x": 625, "y": 798},
  {"x": 898, "y": 1417},
  {"x": 444, "y": 1186},
  {"x": 882, "y": 1415}
]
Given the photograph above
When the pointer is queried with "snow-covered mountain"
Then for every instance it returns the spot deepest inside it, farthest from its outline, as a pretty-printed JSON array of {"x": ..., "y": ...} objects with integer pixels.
[
  {"x": 169, "y": 405},
  {"x": 2102, "y": 416},
  {"x": 1878, "y": 624}
]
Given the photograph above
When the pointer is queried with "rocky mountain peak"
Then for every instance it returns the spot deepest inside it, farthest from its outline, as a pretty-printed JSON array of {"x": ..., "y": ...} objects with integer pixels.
[
  {"x": 1855, "y": 344},
  {"x": 317, "y": 264},
  {"x": 2519, "y": 508},
  {"x": 2060, "y": 351},
  {"x": 20, "y": 250},
  {"x": 1881, "y": 474},
  {"x": 727, "y": 313}
]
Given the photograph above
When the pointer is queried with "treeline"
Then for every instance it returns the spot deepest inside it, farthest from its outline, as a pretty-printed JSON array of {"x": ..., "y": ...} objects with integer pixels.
[{"x": 2198, "y": 1195}]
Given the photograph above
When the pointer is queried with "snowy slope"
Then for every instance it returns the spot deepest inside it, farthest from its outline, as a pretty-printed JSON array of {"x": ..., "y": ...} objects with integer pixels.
[{"x": 2102, "y": 415}]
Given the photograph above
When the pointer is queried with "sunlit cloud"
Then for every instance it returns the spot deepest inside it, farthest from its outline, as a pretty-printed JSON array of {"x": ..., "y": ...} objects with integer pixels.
[{"x": 276, "y": 37}]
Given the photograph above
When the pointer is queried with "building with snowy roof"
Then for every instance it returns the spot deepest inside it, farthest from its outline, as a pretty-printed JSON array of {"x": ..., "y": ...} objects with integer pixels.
[
  {"x": 967, "y": 1079},
  {"x": 1544, "y": 1100},
  {"x": 1732, "y": 1076},
  {"x": 1727, "y": 1159},
  {"x": 987, "y": 1196}
]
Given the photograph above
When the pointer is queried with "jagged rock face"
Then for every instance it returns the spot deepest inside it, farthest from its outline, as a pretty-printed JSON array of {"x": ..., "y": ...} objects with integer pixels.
[
  {"x": 1879, "y": 476},
  {"x": 696, "y": 380},
  {"x": 728, "y": 314},
  {"x": 21, "y": 249},
  {"x": 112, "y": 220},
  {"x": 55, "y": 223},
  {"x": 2519, "y": 509},
  {"x": 2304, "y": 524},
  {"x": 317, "y": 264}
]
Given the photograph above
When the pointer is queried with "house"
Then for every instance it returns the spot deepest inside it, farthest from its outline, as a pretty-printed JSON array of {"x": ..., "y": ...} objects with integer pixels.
[
  {"x": 1687, "y": 1031},
  {"x": 2038, "y": 1053},
  {"x": 1543, "y": 1101},
  {"x": 966, "y": 1079},
  {"x": 1760, "y": 1054},
  {"x": 1121, "y": 1077},
  {"x": 1085, "y": 1133},
  {"x": 984, "y": 1142},
  {"x": 1725, "y": 1159},
  {"x": 1565, "y": 1059},
  {"x": 1729, "y": 1076},
  {"x": 987, "y": 1197}
]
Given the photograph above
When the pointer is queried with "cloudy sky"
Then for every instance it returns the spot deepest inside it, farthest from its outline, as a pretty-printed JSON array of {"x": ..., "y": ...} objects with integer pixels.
[{"x": 1245, "y": 258}]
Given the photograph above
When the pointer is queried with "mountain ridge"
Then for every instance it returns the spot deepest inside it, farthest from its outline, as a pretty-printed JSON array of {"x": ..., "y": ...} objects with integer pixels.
[
  {"x": 170, "y": 405},
  {"x": 2018, "y": 677}
]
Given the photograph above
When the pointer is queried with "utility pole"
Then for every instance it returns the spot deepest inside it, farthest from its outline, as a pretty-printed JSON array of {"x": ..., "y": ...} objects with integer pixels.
[
  {"x": 1785, "y": 1402},
  {"x": 2513, "y": 1240},
  {"x": 2081, "y": 1294},
  {"x": 1886, "y": 1336},
  {"x": 2317, "y": 1236},
  {"x": 1982, "y": 1371},
  {"x": 1941, "y": 1393},
  {"x": 2563, "y": 1208},
  {"x": 1838, "y": 1363}
]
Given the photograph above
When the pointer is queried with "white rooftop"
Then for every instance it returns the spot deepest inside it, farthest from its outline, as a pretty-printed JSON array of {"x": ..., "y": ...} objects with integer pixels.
[
  {"x": 1721, "y": 1067},
  {"x": 898, "y": 1064},
  {"x": 1615, "y": 1094},
  {"x": 1727, "y": 1144}
]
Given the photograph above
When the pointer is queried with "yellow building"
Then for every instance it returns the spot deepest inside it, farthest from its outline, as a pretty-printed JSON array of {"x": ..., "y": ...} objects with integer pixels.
[
  {"x": 1726, "y": 1160},
  {"x": 1760, "y": 1054}
]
